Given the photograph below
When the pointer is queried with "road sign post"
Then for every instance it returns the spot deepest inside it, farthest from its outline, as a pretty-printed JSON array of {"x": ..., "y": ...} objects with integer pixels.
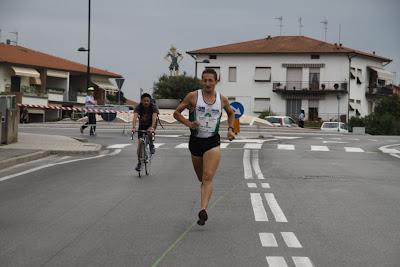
[
  {"x": 120, "y": 82},
  {"x": 238, "y": 109}
]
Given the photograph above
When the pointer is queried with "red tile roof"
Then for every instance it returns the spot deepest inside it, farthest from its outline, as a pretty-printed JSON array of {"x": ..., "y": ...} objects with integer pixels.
[
  {"x": 284, "y": 45},
  {"x": 23, "y": 56}
]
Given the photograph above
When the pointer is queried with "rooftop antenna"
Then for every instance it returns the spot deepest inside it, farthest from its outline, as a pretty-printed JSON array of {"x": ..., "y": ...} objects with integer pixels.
[
  {"x": 16, "y": 37},
  {"x": 280, "y": 24},
  {"x": 325, "y": 23},
  {"x": 300, "y": 25},
  {"x": 340, "y": 32}
]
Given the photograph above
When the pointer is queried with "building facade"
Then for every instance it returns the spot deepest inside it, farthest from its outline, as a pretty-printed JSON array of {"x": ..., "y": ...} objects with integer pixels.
[
  {"x": 287, "y": 73},
  {"x": 40, "y": 79}
]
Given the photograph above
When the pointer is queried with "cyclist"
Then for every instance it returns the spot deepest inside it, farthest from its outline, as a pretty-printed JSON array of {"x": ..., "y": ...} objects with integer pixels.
[
  {"x": 205, "y": 110},
  {"x": 147, "y": 113}
]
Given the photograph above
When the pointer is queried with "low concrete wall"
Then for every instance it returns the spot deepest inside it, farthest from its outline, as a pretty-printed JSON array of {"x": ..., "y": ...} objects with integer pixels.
[
  {"x": 167, "y": 103},
  {"x": 358, "y": 130}
]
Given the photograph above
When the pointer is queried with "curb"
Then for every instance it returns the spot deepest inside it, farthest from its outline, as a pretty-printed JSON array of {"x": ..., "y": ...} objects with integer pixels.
[{"x": 22, "y": 159}]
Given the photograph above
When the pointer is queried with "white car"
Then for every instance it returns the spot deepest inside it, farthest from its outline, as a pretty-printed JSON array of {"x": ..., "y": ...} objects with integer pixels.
[
  {"x": 281, "y": 121},
  {"x": 332, "y": 126}
]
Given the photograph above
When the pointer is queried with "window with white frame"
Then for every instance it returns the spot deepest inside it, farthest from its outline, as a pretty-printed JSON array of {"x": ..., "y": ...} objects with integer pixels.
[
  {"x": 262, "y": 74},
  {"x": 232, "y": 74},
  {"x": 217, "y": 70},
  {"x": 261, "y": 104}
]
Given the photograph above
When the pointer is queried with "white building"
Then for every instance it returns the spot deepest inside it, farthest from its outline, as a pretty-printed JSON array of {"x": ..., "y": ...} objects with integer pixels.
[
  {"x": 286, "y": 73},
  {"x": 44, "y": 80}
]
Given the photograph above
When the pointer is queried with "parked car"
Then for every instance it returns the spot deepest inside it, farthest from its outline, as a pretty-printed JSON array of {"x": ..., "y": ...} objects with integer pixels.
[
  {"x": 281, "y": 121},
  {"x": 332, "y": 126}
]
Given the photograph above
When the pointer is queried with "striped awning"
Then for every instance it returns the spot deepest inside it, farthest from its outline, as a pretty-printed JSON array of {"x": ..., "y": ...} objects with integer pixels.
[
  {"x": 303, "y": 65},
  {"x": 26, "y": 72}
]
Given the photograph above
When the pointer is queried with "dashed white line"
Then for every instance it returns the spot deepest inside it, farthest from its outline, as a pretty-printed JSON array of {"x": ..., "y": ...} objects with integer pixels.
[
  {"x": 256, "y": 165},
  {"x": 251, "y": 185},
  {"x": 268, "y": 240},
  {"x": 248, "y": 173},
  {"x": 285, "y": 147},
  {"x": 260, "y": 215},
  {"x": 252, "y": 146},
  {"x": 291, "y": 240},
  {"x": 276, "y": 261},
  {"x": 319, "y": 148},
  {"x": 183, "y": 145},
  {"x": 353, "y": 149},
  {"x": 157, "y": 145},
  {"x": 119, "y": 146},
  {"x": 302, "y": 262},
  {"x": 224, "y": 145},
  {"x": 275, "y": 208},
  {"x": 265, "y": 185}
]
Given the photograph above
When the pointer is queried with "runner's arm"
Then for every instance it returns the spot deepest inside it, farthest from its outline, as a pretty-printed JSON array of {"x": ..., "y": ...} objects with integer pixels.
[
  {"x": 231, "y": 117},
  {"x": 135, "y": 116},
  {"x": 186, "y": 103},
  {"x": 154, "y": 120}
]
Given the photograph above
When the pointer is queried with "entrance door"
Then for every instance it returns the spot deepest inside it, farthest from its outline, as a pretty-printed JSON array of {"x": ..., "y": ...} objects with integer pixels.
[
  {"x": 294, "y": 77},
  {"x": 293, "y": 108},
  {"x": 15, "y": 84}
]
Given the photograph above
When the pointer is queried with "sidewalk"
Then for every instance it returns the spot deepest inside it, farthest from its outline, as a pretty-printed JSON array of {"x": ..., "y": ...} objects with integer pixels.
[{"x": 34, "y": 146}]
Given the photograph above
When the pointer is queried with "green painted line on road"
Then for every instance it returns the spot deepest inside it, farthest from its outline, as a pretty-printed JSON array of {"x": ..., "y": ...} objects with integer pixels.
[{"x": 176, "y": 242}]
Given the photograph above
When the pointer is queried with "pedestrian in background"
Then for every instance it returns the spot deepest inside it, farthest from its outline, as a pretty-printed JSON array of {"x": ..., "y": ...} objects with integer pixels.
[
  {"x": 89, "y": 101},
  {"x": 302, "y": 117}
]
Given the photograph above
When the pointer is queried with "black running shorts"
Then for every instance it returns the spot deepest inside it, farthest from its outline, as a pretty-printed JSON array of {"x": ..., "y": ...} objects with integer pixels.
[{"x": 198, "y": 146}]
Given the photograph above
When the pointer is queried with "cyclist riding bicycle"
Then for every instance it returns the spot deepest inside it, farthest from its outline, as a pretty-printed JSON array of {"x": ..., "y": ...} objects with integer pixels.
[{"x": 147, "y": 113}]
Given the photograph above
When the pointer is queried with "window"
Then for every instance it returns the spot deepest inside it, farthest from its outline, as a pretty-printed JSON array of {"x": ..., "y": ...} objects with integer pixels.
[
  {"x": 262, "y": 74},
  {"x": 213, "y": 56},
  {"x": 314, "y": 56},
  {"x": 261, "y": 104},
  {"x": 231, "y": 99},
  {"x": 353, "y": 73},
  {"x": 217, "y": 70},
  {"x": 313, "y": 110},
  {"x": 358, "y": 101},
  {"x": 351, "y": 100},
  {"x": 232, "y": 74},
  {"x": 359, "y": 76},
  {"x": 314, "y": 79}
]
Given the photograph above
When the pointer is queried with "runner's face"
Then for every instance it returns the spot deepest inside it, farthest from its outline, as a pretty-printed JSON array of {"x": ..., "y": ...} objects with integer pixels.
[
  {"x": 146, "y": 102},
  {"x": 209, "y": 82}
]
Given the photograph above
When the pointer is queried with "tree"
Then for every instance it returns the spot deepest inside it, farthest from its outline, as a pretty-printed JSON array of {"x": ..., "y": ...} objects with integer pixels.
[
  {"x": 175, "y": 87},
  {"x": 114, "y": 98}
]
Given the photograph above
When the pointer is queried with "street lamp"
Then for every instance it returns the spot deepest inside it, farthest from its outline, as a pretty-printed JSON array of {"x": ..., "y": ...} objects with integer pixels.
[
  {"x": 82, "y": 49},
  {"x": 195, "y": 66},
  {"x": 338, "y": 110}
]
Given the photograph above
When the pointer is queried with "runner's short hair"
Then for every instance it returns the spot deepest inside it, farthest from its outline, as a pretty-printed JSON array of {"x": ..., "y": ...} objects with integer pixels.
[
  {"x": 145, "y": 95},
  {"x": 210, "y": 71}
]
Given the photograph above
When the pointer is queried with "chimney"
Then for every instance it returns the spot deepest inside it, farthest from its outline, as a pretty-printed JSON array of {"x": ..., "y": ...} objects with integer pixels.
[
  {"x": 340, "y": 44},
  {"x": 8, "y": 41},
  {"x": 268, "y": 37},
  {"x": 373, "y": 52}
]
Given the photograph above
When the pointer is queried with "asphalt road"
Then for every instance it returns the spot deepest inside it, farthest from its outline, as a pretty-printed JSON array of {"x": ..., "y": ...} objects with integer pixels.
[{"x": 295, "y": 199}]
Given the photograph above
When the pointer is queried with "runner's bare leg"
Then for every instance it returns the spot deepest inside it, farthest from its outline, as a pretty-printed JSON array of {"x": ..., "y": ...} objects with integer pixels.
[
  {"x": 198, "y": 166},
  {"x": 210, "y": 164}
]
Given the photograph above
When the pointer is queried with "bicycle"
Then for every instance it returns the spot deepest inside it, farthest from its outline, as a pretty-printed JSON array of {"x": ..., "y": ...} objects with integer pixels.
[{"x": 144, "y": 153}]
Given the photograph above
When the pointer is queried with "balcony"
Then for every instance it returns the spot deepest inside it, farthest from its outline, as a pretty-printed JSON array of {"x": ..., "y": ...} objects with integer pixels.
[
  {"x": 309, "y": 90},
  {"x": 378, "y": 91}
]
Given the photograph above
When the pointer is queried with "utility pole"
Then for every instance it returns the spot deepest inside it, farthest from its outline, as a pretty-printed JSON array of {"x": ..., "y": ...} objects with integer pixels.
[{"x": 300, "y": 25}]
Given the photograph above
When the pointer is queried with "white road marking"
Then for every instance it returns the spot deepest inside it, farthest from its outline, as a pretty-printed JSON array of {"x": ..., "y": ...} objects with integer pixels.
[
  {"x": 252, "y": 146},
  {"x": 286, "y": 137},
  {"x": 319, "y": 148},
  {"x": 291, "y": 240},
  {"x": 302, "y": 262},
  {"x": 373, "y": 140},
  {"x": 265, "y": 185},
  {"x": 395, "y": 155},
  {"x": 157, "y": 145},
  {"x": 334, "y": 142},
  {"x": 353, "y": 139},
  {"x": 114, "y": 153},
  {"x": 248, "y": 174},
  {"x": 336, "y": 138},
  {"x": 391, "y": 151},
  {"x": 224, "y": 145},
  {"x": 183, "y": 145},
  {"x": 256, "y": 165},
  {"x": 251, "y": 185},
  {"x": 168, "y": 135},
  {"x": 260, "y": 215},
  {"x": 354, "y": 149},
  {"x": 258, "y": 141},
  {"x": 276, "y": 261},
  {"x": 285, "y": 147},
  {"x": 274, "y": 206},
  {"x": 119, "y": 146},
  {"x": 268, "y": 240}
]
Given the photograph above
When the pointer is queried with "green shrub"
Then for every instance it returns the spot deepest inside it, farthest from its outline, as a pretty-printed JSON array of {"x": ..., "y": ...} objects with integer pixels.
[{"x": 265, "y": 114}]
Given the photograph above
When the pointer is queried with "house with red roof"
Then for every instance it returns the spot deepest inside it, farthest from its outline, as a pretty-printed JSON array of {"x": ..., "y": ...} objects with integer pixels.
[
  {"x": 41, "y": 79},
  {"x": 285, "y": 74}
]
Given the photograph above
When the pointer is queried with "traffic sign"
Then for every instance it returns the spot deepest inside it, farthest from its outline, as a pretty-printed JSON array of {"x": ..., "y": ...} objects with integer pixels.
[
  {"x": 120, "y": 82},
  {"x": 238, "y": 109}
]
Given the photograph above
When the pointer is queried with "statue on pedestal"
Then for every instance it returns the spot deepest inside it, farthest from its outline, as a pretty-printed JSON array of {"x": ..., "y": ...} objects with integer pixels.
[{"x": 174, "y": 58}]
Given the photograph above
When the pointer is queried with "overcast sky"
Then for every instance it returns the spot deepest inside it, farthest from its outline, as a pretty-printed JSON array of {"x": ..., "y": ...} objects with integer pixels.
[{"x": 131, "y": 37}]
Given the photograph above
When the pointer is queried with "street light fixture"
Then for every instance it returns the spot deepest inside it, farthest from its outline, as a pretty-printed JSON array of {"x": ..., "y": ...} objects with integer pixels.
[
  {"x": 82, "y": 49},
  {"x": 195, "y": 66}
]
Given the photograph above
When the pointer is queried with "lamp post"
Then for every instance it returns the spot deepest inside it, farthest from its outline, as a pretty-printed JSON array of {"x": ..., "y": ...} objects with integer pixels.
[
  {"x": 195, "y": 66},
  {"x": 82, "y": 49},
  {"x": 338, "y": 110}
]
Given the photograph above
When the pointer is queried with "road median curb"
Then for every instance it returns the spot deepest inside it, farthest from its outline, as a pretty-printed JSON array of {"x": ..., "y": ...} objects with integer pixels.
[{"x": 22, "y": 159}]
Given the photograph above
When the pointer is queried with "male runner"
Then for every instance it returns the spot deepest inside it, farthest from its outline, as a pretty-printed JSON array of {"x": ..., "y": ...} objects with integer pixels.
[
  {"x": 147, "y": 113},
  {"x": 205, "y": 110}
]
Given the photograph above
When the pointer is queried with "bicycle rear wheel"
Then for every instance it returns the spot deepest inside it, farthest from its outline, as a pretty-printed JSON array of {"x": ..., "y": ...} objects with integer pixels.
[{"x": 142, "y": 159}]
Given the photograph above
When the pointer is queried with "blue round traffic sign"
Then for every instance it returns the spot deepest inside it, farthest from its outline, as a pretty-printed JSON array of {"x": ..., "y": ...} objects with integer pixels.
[{"x": 238, "y": 109}]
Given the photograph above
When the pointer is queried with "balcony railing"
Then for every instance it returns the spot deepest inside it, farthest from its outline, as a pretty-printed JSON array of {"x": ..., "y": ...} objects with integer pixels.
[
  {"x": 32, "y": 91},
  {"x": 310, "y": 86},
  {"x": 384, "y": 90}
]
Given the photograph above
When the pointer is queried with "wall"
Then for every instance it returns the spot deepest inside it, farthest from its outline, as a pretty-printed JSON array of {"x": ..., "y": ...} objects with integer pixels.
[{"x": 5, "y": 77}]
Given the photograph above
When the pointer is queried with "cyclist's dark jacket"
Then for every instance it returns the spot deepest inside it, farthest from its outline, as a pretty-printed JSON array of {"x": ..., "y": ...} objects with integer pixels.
[{"x": 145, "y": 115}]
